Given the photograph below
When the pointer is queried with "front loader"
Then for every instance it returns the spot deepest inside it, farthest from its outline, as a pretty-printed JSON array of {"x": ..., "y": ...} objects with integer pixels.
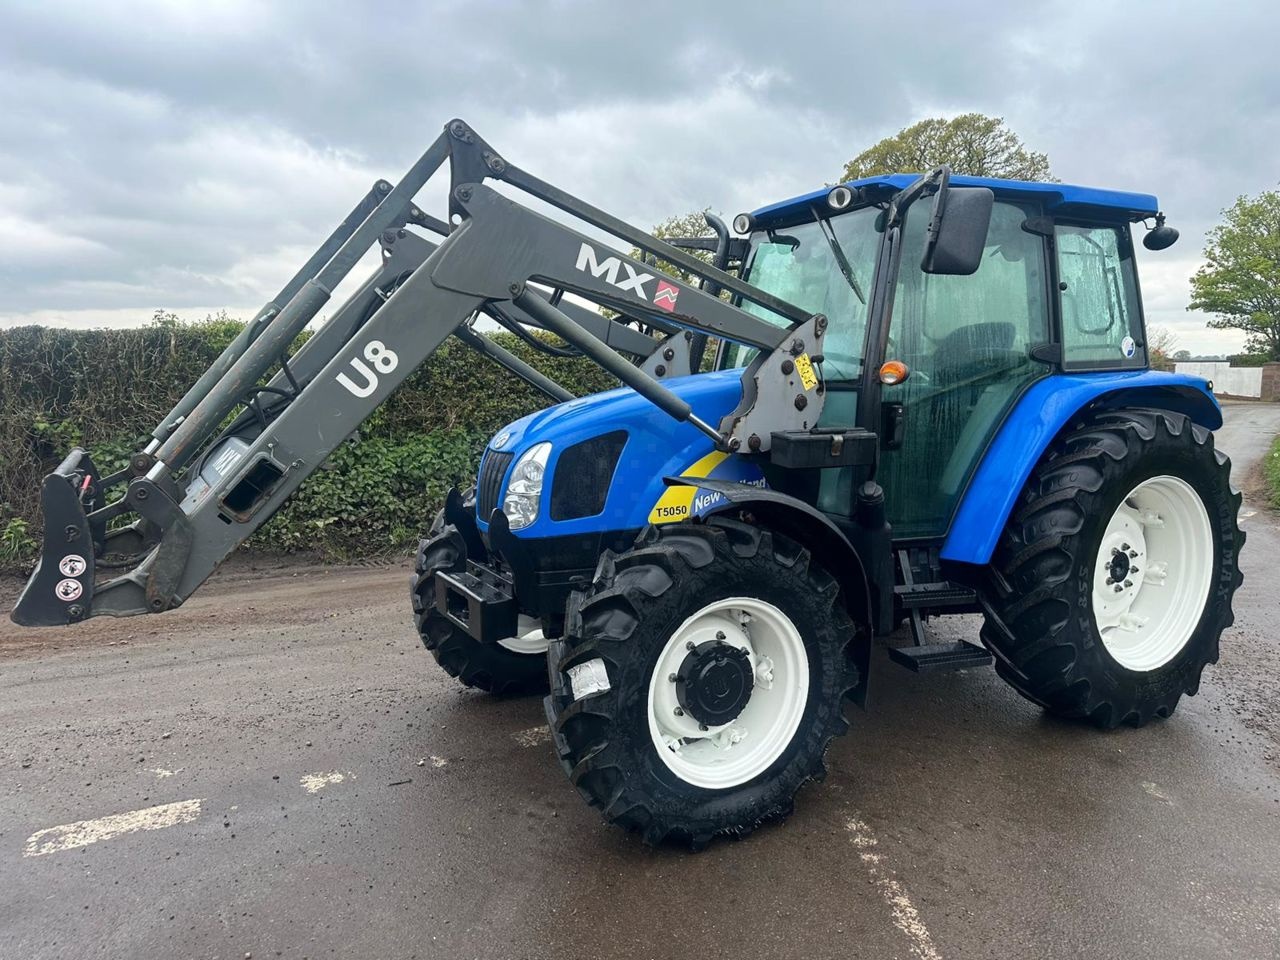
[{"x": 930, "y": 395}]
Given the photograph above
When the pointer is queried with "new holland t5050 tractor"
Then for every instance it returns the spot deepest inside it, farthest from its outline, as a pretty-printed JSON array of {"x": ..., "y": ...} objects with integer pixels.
[{"x": 928, "y": 394}]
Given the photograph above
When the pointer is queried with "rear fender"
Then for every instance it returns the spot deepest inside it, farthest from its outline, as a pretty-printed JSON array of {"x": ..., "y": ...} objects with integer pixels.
[
  {"x": 824, "y": 540},
  {"x": 1050, "y": 405}
]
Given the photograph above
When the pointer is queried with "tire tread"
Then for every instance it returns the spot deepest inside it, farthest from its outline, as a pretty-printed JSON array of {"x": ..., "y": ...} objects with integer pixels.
[{"x": 1031, "y": 571}]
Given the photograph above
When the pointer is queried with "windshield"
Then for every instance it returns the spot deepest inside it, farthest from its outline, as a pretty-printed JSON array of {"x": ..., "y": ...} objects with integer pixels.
[{"x": 824, "y": 268}]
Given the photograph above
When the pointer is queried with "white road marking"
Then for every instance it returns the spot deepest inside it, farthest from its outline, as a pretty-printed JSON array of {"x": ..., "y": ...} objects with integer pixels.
[
  {"x": 533, "y": 736},
  {"x": 315, "y": 782},
  {"x": 84, "y": 832},
  {"x": 905, "y": 915},
  {"x": 161, "y": 772}
]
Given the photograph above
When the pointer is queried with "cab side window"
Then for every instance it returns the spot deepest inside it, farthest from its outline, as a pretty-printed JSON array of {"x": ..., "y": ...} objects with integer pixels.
[{"x": 1100, "y": 316}]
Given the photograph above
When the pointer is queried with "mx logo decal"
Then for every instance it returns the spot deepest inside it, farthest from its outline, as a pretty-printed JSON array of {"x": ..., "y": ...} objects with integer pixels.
[
  {"x": 666, "y": 296},
  {"x": 609, "y": 269}
]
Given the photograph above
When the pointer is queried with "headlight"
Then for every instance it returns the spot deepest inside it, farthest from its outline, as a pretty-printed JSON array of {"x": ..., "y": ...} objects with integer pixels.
[{"x": 524, "y": 489}]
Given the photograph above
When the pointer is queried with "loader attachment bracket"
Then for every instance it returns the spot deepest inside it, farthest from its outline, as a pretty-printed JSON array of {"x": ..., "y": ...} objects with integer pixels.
[
  {"x": 782, "y": 390},
  {"x": 671, "y": 357},
  {"x": 60, "y": 590}
]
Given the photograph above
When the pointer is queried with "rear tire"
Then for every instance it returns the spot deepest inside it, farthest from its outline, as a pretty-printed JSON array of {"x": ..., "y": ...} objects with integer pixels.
[
  {"x": 518, "y": 667},
  {"x": 753, "y": 605},
  {"x": 1112, "y": 582}
]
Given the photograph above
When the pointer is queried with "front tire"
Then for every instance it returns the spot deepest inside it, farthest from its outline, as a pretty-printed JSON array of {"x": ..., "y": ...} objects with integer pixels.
[
  {"x": 509, "y": 667},
  {"x": 700, "y": 679},
  {"x": 1112, "y": 582}
]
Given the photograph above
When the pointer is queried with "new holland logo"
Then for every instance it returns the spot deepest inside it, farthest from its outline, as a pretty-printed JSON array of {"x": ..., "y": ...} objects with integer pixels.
[{"x": 609, "y": 268}]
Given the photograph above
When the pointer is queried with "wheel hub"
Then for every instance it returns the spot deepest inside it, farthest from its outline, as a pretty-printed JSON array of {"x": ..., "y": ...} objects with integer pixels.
[
  {"x": 728, "y": 692},
  {"x": 1120, "y": 565},
  {"x": 713, "y": 684}
]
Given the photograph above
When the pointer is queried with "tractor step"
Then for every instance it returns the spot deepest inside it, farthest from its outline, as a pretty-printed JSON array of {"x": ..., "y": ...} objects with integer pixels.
[
  {"x": 931, "y": 595},
  {"x": 959, "y": 655}
]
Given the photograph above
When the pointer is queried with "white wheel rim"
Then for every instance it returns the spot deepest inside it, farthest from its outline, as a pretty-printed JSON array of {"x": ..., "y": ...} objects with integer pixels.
[
  {"x": 529, "y": 639},
  {"x": 1161, "y": 532},
  {"x": 731, "y": 754}
]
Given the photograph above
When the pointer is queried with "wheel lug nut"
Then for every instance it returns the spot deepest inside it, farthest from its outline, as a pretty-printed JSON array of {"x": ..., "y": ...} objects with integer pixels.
[
  {"x": 671, "y": 677},
  {"x": 702, "y": 726},
  {"x": 1118, "y": 588},
  {"x": 688, "y": 645},
  {"x": 679, "y": 712},
  {"x": 719, "y": 634},
  {"x": 1110, "y": 581},
  {"x": 1128, "y": 583},
  {"x": 1133, "y": 553}
]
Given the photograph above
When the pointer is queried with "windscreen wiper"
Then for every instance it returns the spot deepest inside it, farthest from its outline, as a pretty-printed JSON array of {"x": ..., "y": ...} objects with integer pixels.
[{"x": 838, "y": 252}]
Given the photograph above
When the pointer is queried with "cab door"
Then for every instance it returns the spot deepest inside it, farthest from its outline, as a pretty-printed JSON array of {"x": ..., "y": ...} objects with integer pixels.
[{"x": 967, "y": 341}]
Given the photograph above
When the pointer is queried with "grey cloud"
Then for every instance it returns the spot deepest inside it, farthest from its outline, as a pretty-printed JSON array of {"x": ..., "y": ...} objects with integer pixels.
[{"x": 171, "y": 155}]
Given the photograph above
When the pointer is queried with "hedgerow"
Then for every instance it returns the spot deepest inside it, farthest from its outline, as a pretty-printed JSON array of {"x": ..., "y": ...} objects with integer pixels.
[{"x": 105, "y": 390}]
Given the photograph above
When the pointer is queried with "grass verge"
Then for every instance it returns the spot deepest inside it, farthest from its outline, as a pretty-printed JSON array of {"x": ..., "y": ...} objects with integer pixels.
[{"x": 1271, "y": 474}]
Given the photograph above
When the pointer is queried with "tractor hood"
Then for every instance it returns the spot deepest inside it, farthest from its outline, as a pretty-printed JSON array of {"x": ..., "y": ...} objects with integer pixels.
[
  {"x": 712, "y": 395},
  {"x": 655, "y": 446}
]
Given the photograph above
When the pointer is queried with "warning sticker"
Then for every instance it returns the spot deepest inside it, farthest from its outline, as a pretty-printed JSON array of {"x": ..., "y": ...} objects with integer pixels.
[
  {"x": 68, "y": 590},
  {"x": 72, "y": 565},
  {"x": 804, "y": 367}
]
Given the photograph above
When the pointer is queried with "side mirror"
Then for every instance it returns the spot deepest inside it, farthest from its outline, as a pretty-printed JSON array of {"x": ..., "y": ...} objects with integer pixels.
[
  {"x": 957, "y": 230},
  {"x": 1160, "y": 237}
]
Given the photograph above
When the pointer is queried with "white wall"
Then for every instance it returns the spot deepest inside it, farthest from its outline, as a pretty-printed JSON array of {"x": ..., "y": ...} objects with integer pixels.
[{"x": 1236, "y": 381}]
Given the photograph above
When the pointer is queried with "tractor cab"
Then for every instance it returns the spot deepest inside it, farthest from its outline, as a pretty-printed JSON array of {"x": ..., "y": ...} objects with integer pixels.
[{"x": 1055, "y": 289}]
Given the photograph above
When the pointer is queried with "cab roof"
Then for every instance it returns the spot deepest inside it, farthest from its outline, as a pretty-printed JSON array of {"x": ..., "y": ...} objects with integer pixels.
[{"x": 1064, "y": 198}]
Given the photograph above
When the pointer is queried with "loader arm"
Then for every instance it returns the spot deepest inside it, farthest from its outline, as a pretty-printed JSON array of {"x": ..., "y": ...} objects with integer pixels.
[{"x": 256, "y": 425}]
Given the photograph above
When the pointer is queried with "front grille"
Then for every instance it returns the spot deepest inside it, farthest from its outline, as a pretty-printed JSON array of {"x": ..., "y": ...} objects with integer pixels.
[
  {"x": 489, "y": 485},
  {"x": 583, "y": 475}
]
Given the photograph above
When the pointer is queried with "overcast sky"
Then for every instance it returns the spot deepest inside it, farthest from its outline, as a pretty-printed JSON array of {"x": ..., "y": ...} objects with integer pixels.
[{"x": 187, "y": 156}]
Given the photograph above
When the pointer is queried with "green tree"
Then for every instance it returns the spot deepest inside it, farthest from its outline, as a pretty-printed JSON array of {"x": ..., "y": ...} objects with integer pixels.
[
  {"x": 691, "y": 224},
  {"x": 1239, "y": 283},
  {"x": 683, "y": 225},
  {"x": 972, "y": 143}
]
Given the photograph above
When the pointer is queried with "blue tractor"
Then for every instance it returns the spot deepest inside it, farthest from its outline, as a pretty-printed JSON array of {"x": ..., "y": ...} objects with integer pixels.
[{"x": 870, "y": 405}]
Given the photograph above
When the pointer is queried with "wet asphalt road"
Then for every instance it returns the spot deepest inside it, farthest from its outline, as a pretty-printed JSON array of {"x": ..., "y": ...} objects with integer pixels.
[{"x": 354, "y": 802}]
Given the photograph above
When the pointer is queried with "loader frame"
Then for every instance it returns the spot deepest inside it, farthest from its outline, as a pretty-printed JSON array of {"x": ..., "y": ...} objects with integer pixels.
[{"x": 196, "y": 498}]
